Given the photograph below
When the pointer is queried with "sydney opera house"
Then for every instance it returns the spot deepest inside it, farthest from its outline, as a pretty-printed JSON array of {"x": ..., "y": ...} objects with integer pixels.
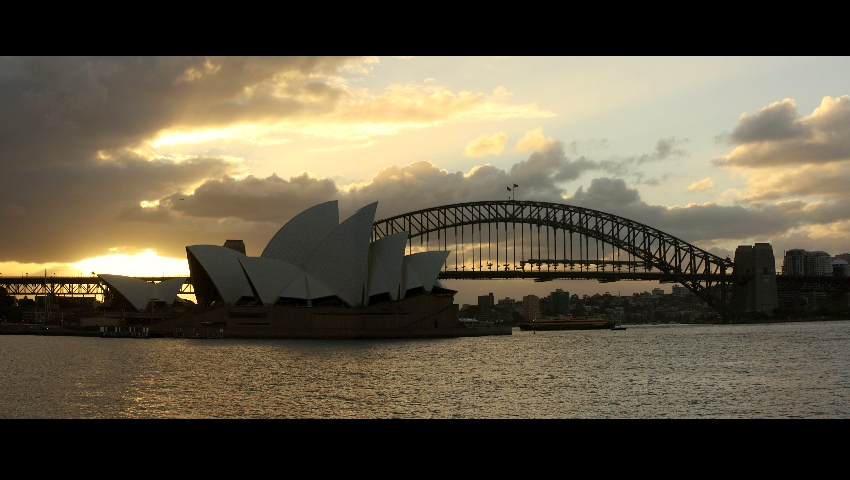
[{"x": 316, "y": 278}]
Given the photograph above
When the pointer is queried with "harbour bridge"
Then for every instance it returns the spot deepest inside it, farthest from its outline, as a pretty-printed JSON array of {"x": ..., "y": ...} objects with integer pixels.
[{"x": 511, "y": 239}]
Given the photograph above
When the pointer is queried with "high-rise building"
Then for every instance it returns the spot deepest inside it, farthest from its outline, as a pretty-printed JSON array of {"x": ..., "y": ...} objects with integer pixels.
[
  {"x": 821, "y": 263},
  {"x": 485, "y": 302},
  {"x": 531, "y": 307},
  {"x": 840, "y": 268},
  {"x": 796, "y": 262},
  {"x": 560, "y": 302},
  {"x": 803, "y": 262},
  {"x": 507, "y": 302}
]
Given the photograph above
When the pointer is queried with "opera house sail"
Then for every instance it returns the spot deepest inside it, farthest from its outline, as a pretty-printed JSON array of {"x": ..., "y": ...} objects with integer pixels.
[{"x": 320, "y": 278}]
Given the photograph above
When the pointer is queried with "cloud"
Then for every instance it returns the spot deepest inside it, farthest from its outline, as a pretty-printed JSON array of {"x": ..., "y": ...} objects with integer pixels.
[
  {"x": 777, "y": 121},
  {"x": 665, "y": 148},
  {"x": 783, "y": 155},
  {"x": 414, "y": 105},
  {"x": 704, "y": 184},
  {"x": 71, "y": 212},
  {"x": 540, "y": 177},
  {"x": 810, "y": 181},
  {"x": 777, "y": 136},
  {"x": 253, "y": 199},
  {"x": 710, "y": 223},
  {"x": 486, "y": 145},
  {"x": 81, "y": 133},
  {"x": 534, "y": 140}
]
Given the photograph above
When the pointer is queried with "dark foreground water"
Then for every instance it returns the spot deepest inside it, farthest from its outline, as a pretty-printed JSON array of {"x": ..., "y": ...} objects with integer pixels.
[{"x": 786, "y": 370}]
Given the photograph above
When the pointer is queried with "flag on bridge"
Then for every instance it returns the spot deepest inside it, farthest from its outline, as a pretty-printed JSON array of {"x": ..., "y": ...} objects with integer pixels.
[{"x": 515, "y": 185}]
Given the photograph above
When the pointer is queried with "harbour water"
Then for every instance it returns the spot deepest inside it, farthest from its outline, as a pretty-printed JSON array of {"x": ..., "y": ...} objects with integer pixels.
[{"x": 781, "y": 370}]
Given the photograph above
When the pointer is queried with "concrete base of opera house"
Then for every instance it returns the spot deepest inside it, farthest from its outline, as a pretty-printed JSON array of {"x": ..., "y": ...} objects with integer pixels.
[{"x": 420, "y": 316}]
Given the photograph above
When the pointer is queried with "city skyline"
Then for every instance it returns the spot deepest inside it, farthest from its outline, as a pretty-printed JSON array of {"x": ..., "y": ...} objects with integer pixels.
[{"x": 115, "y": 165}]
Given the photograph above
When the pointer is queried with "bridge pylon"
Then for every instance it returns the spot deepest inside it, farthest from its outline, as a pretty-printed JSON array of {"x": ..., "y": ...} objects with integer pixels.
[{"x": 755, "y": 288}]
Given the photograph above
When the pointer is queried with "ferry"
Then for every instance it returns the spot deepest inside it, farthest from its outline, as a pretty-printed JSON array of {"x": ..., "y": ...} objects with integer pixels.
[{"x": 566, "y": 322}]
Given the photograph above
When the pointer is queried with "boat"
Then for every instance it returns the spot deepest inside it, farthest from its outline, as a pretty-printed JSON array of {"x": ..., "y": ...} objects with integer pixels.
[
  {"x": 618, "y": 327},
  {"x": 566, "y": 322}
]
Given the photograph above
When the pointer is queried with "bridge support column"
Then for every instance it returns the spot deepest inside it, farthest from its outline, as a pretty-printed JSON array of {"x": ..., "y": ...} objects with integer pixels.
[{"x": 756, "y": 267}]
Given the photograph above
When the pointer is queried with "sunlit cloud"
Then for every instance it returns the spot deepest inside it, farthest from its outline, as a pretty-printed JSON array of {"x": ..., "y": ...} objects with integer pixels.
[
  {"x": 358, "y": 114},
  {"x": 343, "y": 147},
  {"x": 255, "y": 134},
  {"x": 533, "y": 140},
  {"x": 704, "y": 184},
  {"x": 777, "y": 136},
  {"x": 808, "y": 181},
  {"x": 486, "y": 145},
  {"x": 144, "y": 264}
]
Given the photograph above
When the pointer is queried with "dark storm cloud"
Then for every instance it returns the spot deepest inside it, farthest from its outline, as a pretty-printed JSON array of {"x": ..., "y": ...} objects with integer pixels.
[
  {"x": 68, "y": 213},
  {"x": 70, "y": 185},
  {"x": 252, "y": 199},
  {"x": 66, "y": 109}
]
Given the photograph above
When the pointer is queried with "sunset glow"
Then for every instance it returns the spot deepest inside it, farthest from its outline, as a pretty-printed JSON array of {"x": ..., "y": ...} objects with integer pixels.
[{"x": 721, "y": 151}]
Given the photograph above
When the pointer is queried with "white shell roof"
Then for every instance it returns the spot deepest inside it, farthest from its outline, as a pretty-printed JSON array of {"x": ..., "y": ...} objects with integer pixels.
[
  {"x": 307, "y": 286},
  {"x": 341, "y": 261},
  {"x": 314, "y": 256},
  {"x": 386, "y": 265},
  {"x": 296, "y": 241},
  {"x": 223, "y": 267},
  {"x": 140, "y": 292},
  {"x": 421, "y": 269},
  {"x": 269, "y": 276},
  {"x": 170, "y": 288}
]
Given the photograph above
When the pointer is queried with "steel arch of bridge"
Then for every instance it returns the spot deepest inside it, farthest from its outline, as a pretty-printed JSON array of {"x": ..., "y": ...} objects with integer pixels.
[{"x": 624, "y": 249}]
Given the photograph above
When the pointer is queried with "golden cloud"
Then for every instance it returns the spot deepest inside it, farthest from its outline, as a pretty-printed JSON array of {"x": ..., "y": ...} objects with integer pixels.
[
  {"x": 777, "y": 136},
  {"x": 534, "y": 141},
  {"x": 356, "y": 114},
  {"x": 703, "y": 184},
  {"x": 486, "y": 145}
]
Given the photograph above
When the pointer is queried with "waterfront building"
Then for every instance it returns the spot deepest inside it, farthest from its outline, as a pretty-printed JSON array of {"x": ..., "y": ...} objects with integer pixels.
[
  {"x": 485, "y": 302},
  {"x": 530, "y": 307},
  {"x": 319, "y": 278},
  {"x": 138, "y": 294},
  {"x": 680, "y": 292},
  {"x": 560, "y": 302},
  {"x": 237, "y": 245},
  {"x": 507, "y": 302}
]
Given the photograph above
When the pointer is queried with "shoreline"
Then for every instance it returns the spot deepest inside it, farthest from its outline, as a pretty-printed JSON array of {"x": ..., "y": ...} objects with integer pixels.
[
  {"x": 75, "y": 331},
  {"x": 48, "y": 330}
]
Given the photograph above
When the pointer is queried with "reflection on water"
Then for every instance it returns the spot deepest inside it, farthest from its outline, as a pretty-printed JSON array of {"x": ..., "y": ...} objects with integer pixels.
[{"x": 664, "y": 371}]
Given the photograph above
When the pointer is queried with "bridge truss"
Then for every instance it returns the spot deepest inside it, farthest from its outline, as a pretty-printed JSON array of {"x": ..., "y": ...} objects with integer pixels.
[
  {"x": 547, "y": 241},
  {"x": 69, "y": 286}
]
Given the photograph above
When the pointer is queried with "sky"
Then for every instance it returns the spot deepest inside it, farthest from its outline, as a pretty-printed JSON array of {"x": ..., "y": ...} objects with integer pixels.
[{"x": 116, "y": 164}]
